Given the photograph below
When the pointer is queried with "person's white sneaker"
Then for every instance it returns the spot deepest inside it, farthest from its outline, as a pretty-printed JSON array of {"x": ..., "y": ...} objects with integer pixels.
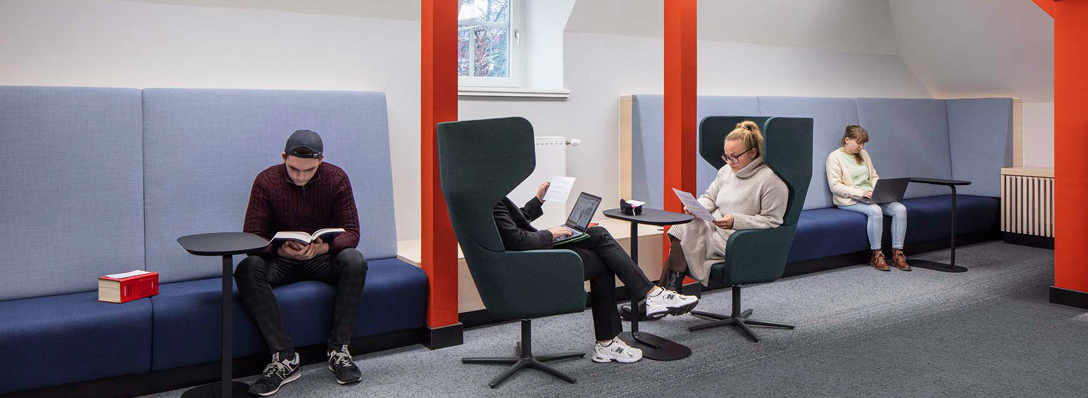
[
  {"x": 668, "y": 301},
  {"x": 616, "y": 350}
]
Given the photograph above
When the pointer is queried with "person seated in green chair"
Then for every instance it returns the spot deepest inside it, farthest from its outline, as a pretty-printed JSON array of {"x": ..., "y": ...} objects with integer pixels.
[
  {"x": 603, "y": 260},
  {"x": 745, "y": 195}
]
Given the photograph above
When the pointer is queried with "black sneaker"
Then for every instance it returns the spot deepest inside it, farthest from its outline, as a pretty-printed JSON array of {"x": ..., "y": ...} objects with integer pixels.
[
  {"x": 275, "y": 375},
  {"x": 341, "y": 364}
]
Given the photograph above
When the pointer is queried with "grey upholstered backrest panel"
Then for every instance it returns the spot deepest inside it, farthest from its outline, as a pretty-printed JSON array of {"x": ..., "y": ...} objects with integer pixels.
[
  {"x": 72, "y": 191},
  {"x": 647, "y": 141},
  {"x": 203, "y": 148},
  {"x": 980, "y": 131},
  {"x": 830, "y": 117},
  {"x": 908, "y": 138}
]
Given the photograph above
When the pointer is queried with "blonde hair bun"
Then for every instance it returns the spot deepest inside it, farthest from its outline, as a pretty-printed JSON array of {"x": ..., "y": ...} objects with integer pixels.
[{"x": 748, "y": 131}]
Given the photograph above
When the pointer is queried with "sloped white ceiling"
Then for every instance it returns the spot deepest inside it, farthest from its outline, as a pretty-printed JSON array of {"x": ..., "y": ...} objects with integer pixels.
[
  {"x": 973, "y": 48},
  {"x": 863, "y": 26}
]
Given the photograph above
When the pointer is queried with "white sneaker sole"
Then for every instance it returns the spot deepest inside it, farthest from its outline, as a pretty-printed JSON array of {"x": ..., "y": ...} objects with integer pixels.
[
  {"x": 679, "y": 310},
  {"x": 600, "y": 359},
  {"x": 285, "y": 381}
]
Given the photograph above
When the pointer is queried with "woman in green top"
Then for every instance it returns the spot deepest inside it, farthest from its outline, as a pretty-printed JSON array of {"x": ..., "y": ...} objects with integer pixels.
[{"x": 851, "y": 176}]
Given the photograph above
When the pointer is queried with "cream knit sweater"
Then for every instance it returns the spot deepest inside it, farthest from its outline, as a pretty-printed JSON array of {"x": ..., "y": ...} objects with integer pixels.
[{"x": 843, "y": 192}]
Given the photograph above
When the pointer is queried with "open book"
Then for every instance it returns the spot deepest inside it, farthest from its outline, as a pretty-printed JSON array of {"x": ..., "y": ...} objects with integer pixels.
[{"x": 326, "y": 235}]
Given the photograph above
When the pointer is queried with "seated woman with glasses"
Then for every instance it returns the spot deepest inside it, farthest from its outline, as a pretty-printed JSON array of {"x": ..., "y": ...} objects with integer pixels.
[
  {"x": 851, "y": 176},
  {"x": 746, "y": 195}
]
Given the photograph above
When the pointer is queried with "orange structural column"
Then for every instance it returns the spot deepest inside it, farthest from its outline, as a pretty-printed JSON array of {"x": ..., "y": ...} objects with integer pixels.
[
  {"x": 680, "y": 101},
  {"x": 439, "y": 104},
  {"x": 1070, "y": 152}
]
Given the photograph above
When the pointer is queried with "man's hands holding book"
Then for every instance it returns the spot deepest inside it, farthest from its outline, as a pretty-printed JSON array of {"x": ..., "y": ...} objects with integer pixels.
[{"x": 297, "y": 251}]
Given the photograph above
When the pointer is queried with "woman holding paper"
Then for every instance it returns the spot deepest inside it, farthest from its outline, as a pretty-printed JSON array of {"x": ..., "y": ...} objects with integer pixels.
[{"x": 745, "y": 195}]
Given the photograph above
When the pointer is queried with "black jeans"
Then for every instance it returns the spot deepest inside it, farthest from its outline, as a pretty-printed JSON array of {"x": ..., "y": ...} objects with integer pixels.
[
  {"x": 256, "y": 276},
  {"x": 604, "y": 260}
]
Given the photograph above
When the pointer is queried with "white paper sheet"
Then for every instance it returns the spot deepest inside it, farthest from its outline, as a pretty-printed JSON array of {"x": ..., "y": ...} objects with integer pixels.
[
  {"x": 559, "y": 189},
  {"x": 693, "y": 205},
  {"x": 127, "y": 274}
]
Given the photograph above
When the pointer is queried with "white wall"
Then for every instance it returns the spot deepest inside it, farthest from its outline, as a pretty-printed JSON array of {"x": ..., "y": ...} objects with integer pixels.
[
  {"x": 1039, "y": 134},
  {"x": 138, "y": 44},
  {"x": 839, "y": 25}
]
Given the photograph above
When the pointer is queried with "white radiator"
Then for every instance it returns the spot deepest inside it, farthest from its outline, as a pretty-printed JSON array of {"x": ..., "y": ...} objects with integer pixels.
[
  {"x": 551, "y": 160},
  {"x": 1027, "y": 201}
]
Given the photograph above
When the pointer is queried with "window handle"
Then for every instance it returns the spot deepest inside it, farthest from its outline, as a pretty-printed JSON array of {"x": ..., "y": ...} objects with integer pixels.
[{"x": 517, "y": 38}]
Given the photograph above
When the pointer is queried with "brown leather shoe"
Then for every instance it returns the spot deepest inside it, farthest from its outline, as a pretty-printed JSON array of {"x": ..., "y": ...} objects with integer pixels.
[
  {"x": 900, "y": 260},
  {"x": 878, "y": 261}
]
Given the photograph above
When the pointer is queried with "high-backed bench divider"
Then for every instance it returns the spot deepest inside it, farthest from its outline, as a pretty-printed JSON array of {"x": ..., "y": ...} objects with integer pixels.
[
  {"x": 967, "y": 139},
  {"x": 203, "y": 149},
  {"x": 72, "y": 210}
]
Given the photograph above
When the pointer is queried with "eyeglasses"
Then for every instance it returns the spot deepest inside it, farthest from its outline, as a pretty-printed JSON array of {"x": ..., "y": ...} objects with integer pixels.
[{"x": 735, "y": 158}]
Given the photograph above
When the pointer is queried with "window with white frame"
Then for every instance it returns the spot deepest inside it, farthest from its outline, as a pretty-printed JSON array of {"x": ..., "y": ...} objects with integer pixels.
[{"x": 488, "y": 37}]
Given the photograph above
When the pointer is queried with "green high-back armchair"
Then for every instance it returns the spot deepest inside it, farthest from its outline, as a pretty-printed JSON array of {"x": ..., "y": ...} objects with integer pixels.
[
  {"x": 759, "y": 256},
  {"x": 480, "y": 162}
]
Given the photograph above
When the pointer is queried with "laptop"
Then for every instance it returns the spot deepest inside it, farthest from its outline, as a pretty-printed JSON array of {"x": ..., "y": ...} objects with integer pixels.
[
  {"x": 888, "y": 190},
  {"x": 579, "y": 218}
]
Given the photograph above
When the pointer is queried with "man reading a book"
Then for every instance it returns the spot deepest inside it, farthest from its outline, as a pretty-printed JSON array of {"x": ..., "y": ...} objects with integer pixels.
[{"x": 302, "y": 194}]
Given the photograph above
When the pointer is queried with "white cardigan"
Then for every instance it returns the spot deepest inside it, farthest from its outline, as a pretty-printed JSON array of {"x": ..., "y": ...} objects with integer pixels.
[{"x": 843, "y": 192}]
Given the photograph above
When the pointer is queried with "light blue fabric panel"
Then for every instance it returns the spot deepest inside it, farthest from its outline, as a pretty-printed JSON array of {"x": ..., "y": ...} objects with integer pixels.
[
  {"x": 72, "y": 188},
  {"x": 980, "y": 131},
  {"x": 718, "y": 106},
  {"x": 647, "y": 148},
  {"x": 908, "y": 138},
  {"x": 647, "y": 143},
  {"x": 830, "y": 117},
  {"x": 203, "y": 148}
]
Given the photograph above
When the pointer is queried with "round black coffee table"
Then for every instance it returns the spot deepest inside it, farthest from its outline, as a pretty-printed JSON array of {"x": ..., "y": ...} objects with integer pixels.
[{"x": 653, "y": 347}]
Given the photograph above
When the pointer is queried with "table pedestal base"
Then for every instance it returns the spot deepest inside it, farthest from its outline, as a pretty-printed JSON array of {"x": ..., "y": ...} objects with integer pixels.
[
  {"x": 238, "y": 390},
  {"x": 936, "y": 266},
  {"x": 655, "y": 348}
]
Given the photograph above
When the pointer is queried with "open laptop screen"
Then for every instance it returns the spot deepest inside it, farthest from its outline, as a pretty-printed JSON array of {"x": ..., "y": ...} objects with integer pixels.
[{"x": 583, "y": 211}]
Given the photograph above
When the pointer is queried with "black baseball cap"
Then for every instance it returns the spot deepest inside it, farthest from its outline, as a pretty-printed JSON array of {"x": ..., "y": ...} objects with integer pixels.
[{"x": 304, "y": 144}]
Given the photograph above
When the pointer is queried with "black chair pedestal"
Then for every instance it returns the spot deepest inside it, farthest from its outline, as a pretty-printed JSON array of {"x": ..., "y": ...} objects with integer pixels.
[
  {"x": 525, "y": 359},
  {"x": 737, "y": 318}
]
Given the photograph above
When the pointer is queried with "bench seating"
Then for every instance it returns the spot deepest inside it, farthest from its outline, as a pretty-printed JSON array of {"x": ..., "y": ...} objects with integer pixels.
[{"x": 110, "y": 178}]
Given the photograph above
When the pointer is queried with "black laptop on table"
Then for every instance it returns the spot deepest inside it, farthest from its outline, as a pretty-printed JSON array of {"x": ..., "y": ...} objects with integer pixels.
[
  {"x": 579, "y": 218},
  {"x": 888, "y": 190}
]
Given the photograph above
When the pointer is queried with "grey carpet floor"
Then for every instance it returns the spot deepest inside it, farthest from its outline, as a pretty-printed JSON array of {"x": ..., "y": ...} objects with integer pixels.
[{"x": 860, "y": 333}]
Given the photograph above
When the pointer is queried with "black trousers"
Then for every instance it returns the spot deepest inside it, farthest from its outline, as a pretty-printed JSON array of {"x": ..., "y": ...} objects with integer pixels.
[
  {"x": 256, "y": 276},
  {"x": 604, "y": 260}
]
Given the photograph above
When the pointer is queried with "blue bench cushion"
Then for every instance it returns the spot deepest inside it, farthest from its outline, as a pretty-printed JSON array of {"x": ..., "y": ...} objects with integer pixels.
[
  {"x": 806, "y": 245},
  {"x": 930, "y": 218},
  {"x": 832, "y": 231},
  {"x": 187, "y": 314},
  {"x": 840, "y": 231},
  {"x": 72, "y": 170},
  {"x": 55, "y": 340}
]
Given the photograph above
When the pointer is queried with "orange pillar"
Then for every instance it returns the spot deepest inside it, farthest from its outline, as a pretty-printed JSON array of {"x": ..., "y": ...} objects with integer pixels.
[
  {"x": 1070, "y": 152},
  {"x": 439, "y": 104},
  {"x": 680, "y": 101}
]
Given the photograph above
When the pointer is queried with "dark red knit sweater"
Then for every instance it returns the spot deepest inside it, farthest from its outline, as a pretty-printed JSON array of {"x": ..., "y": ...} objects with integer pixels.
[{"x": 326, "y": 201}]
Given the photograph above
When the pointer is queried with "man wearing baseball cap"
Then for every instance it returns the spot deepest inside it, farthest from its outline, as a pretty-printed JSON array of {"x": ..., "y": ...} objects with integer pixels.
[{"x": 302, "y": 194}]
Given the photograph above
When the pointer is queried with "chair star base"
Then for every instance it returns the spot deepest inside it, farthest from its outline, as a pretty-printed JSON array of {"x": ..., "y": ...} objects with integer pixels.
[
  {"x": 738, "y": 319},
  {"x": 525, "y": 359}
]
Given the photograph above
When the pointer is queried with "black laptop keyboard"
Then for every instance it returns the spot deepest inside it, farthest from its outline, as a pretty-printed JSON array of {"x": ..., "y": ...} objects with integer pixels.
[{"x": 576, "y": 233}]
